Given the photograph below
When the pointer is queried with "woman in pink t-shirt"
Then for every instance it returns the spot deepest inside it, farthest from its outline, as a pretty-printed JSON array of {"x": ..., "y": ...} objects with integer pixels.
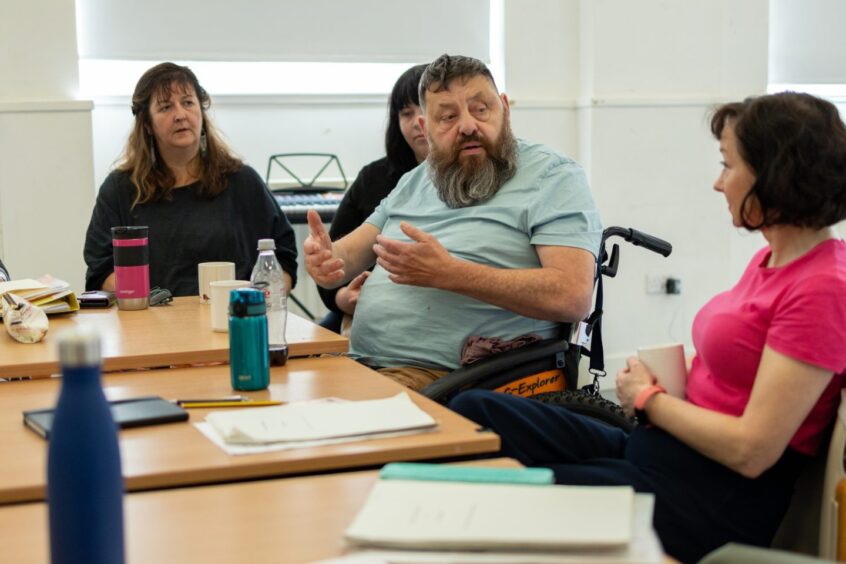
[{"x": 765, "y": 383}]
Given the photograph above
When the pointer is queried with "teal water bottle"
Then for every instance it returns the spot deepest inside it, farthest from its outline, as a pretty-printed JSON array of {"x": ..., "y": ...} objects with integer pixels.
[{"x": 248, "y": 353}]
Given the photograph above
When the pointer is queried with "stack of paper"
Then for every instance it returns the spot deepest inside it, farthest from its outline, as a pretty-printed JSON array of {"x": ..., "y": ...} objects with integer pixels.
[
  {"x": 50, "y": 294},
  {"x": 310, "y": 421},
  {"x": 442, "y": 515},
  {"x": 644, "y": 547}
]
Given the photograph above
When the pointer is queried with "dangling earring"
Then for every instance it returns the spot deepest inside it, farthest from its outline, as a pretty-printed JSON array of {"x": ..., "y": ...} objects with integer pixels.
[
  {"x": 152, "y": 151},
  {"x": 204, "y": 144}
]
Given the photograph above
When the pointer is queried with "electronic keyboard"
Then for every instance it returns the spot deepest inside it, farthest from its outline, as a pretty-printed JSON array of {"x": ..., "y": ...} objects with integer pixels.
[{"x": 296, "y": 204}]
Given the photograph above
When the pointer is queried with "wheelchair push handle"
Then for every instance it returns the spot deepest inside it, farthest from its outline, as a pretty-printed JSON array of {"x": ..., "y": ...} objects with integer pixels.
[
  {"x": 650, "y": 242},
  {"x": 639, "y": 239}
]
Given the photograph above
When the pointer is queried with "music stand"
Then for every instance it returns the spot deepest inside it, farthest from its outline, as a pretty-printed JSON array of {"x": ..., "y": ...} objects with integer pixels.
[
  {"x": 320, "y": 162},
  {"x": 301, "y": 184}
]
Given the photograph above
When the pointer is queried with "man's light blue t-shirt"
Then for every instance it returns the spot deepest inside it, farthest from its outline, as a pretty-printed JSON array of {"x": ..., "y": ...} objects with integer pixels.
[{"x": 547, "y": 202}]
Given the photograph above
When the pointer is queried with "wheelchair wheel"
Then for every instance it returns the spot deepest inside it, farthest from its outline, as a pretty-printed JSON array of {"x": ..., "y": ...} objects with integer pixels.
[{"x": 591, "y": 405}]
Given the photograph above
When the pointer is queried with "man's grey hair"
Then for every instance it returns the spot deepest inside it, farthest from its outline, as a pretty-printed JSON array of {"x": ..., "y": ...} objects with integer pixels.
[{"x": 446, "y": 68}]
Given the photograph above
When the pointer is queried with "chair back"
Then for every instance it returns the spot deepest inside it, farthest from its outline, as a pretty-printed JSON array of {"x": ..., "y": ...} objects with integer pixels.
[
  {"x": 811, "y": 523},
  {"x": 841, "y": 520},
  {"x": 831, "y": 526}
]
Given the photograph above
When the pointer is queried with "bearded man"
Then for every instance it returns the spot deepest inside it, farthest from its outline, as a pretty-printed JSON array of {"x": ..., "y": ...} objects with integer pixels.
[{"x": 491, "y": 236}]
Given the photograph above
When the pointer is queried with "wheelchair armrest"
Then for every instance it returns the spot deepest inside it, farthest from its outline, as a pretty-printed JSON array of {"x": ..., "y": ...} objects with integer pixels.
[{"x": 549, "y": 351}]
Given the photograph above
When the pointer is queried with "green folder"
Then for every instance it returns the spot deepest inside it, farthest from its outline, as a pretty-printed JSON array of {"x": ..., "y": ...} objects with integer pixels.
[{"x": 452, "y": 473}]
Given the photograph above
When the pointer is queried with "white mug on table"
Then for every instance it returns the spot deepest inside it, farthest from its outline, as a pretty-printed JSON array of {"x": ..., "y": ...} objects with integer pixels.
[
  {"x": 220, "y": 290},
  {"x": 208, "y": 272}
]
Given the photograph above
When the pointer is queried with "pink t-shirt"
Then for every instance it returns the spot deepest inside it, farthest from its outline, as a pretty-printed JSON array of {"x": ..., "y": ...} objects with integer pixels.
[{"x": 798, "y": 309}]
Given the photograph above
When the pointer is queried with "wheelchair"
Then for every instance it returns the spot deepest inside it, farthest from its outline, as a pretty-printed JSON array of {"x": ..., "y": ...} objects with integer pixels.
[{"x": 548, "y": 370}]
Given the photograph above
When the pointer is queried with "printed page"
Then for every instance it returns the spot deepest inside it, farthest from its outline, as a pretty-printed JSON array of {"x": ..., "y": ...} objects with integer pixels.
[
  {"x": 441, "y": 515},
  {"x": 312, "y": 420},
  {"x": 21, "y": 286},
  {"x": 645, "y": 548},
  {"x": 31, "y": 290}
]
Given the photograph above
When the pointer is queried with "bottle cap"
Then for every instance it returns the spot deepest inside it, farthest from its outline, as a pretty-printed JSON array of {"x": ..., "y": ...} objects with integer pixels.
[
  {"x": 130, "y": 232},
  {"x": 246, "y": 302},
  {"x": 79, "y": 346},
  {"x": 266, "y": 245}
]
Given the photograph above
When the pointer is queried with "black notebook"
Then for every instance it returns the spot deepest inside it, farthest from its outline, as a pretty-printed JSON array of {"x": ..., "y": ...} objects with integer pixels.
[{"x": 136, "y": 412}]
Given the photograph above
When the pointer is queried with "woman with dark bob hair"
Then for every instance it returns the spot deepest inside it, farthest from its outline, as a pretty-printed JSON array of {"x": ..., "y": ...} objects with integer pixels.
[
  {"x": 405, "y": 147},
  {"x": 765, "y": 382},
  {"x": 178, "y": 177}
]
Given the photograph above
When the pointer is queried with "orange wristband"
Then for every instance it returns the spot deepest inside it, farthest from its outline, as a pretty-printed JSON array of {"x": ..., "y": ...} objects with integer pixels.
[{"x": 640, "y": 402}]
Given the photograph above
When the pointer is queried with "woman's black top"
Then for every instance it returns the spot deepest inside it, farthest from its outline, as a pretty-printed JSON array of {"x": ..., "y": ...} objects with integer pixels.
[
  {"x": 187, "y": 229},
  {"x": 371, "y": 186}
]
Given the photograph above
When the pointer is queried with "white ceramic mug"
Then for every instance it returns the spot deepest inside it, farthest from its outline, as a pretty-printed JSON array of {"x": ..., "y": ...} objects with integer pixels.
[
  {"x": 666, "y": 362},
  {"x": 208, "y": 272},
  {"x": 220, "y": 302}
]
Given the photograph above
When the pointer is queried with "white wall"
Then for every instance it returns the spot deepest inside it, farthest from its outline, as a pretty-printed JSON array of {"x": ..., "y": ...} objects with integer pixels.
[
  {"x": 658, "y": 69},
  {"x": 257, "y": 127},
  {"x": 542, "y": 70},
  {"x": 807, "y": 42},
  {"x": 46, "y": 170},
  {"x": 635, "y": 81},
  {"x": 625, "y": 87}
]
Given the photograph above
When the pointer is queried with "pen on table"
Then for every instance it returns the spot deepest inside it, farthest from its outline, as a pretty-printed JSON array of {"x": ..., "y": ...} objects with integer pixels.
[
  {"x": 245, "y": 403},
  {"x": 226, "y": 399}
]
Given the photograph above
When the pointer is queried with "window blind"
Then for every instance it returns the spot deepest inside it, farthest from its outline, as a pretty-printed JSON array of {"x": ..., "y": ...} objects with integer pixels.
[
  {"x": 807, "y": 42},
  {"x": 282, "y": 30}
]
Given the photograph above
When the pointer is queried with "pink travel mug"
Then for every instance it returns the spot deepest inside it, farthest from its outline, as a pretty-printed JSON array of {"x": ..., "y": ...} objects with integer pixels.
[{"x": 132, "y": 266}]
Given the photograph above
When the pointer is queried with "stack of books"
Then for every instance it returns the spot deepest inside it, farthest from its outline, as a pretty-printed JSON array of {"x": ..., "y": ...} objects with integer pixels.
[{"x": 50, "y": 294}]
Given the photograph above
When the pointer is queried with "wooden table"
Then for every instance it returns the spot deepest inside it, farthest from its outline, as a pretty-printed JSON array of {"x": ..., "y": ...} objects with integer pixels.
[
  {"x": 178, "y": 454},
  {"x": 290, "y": 520},
  {"x": 178, "y": 333}
]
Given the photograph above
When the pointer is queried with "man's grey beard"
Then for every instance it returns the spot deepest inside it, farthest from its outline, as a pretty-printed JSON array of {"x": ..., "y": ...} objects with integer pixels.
[{"x": 477, "y": 180}]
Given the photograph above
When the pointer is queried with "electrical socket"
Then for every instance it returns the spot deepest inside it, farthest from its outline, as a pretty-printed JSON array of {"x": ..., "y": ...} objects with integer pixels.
[
  {"x": 656, "y": 284},
  {"x": 673, "y": 286}
]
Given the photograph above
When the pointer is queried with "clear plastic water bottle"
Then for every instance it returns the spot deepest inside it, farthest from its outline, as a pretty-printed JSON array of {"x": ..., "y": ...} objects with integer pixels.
[
  {"x": 84, "y": 483},
  {"x": 269, "y": 277}
]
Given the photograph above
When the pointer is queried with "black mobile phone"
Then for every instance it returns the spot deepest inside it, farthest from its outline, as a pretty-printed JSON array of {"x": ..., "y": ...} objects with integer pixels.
[
  {"x": 96, "y": 298},
  {"x": 135, "y": 412}
]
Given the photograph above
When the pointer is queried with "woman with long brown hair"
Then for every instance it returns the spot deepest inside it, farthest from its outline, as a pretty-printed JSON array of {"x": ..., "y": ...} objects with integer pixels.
[{"x": 178, "y": 177}]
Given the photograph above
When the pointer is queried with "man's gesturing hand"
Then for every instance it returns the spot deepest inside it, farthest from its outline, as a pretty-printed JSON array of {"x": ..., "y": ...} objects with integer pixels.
[
  {"x": 347, "y": 297},
  {"x": 423, "y": 262},
  {"x": 317, "y": 248}
]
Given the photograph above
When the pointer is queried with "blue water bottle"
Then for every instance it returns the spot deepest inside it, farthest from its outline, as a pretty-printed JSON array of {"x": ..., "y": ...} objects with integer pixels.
[
  {"x": 248, "y": 352},
  {"x": 84, "y": 483}
]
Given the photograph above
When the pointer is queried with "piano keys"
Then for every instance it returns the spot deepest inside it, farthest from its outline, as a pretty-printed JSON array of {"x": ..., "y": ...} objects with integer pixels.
[{"x": 296, "y": 204}]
